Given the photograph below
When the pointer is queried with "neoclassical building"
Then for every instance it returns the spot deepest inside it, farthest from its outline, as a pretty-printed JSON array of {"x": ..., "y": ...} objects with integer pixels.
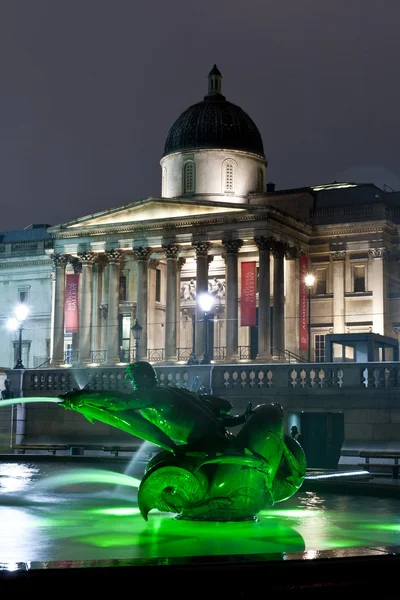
[{"x": 217, "y": 227}]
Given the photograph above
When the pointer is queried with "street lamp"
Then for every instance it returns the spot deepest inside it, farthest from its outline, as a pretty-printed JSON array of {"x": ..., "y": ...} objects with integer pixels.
[
  {"x": 136, "y": 332},
  {"x": 17, "y": 322},
  {"x": 309, "y": 281},
  {"x": 206, "y": 302}
]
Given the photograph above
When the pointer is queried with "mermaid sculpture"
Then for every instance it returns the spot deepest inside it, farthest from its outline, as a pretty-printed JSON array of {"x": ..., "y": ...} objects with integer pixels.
[{"x": 204, "y": 471}]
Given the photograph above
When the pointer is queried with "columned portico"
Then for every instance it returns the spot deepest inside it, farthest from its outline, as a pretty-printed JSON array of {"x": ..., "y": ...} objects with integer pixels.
[
  {"x": 142, "y": 255},
  {"x": 264, "y": 293},
  {"x": 171, "y": 252},
  {"x": 114, "y": 257},
  {"x": 232, "y": 248},
  {"x": 201, "y": 248},
  {"x": 278, "y": 329},
  {"x": 87, "y": 260},
  {"x": 60, "y": 261}
]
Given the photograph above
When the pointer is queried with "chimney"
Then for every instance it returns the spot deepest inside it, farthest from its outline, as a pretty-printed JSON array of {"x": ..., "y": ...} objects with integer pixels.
[{"x": 270, "y": 187}]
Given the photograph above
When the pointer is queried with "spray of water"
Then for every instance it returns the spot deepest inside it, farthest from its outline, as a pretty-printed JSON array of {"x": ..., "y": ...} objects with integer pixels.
[
  {"x": 29, "y": 399},
  {"x": 85, "y": 476}
]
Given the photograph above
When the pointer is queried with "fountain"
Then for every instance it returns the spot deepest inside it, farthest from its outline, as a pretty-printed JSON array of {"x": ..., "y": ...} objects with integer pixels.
[{"x": 207, "y": 497}]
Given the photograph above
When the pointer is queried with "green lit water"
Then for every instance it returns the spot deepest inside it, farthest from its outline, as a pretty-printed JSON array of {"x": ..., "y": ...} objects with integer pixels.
[{"x": 55, "y": 512}]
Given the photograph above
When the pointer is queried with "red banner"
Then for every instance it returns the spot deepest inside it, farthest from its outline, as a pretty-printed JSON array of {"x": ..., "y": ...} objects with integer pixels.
[
  {"x": 303, "y": 303},
  {"x": 71, "y": 304},
  {"x": 249, "y": 290}
]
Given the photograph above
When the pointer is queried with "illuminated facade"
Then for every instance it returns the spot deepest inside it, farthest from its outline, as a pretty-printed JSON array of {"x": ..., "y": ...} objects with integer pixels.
[{"x": 216, "y": 222}]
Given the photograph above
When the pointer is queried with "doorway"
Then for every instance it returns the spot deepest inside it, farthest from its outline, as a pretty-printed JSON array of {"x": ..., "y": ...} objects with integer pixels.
[{"x": 322, "y": 436}]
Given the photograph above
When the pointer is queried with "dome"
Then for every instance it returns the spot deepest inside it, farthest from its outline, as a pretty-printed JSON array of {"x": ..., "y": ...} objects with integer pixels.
[{"x": 214, "y": 123}]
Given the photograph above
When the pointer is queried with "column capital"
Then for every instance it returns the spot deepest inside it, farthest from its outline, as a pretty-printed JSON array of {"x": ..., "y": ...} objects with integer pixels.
[
  {"x": 279, "y": 248},
  {"x": 181, "y": 262},
  {"x": 171, "y": 250},
  {"x": 87, "y": 258},
  {"x": 232, "y": 246},
  {"x": 292, "y": 252},
  {"x": 201, "y": 247},
  {"x": 263, "y": 243},
  {"x": 338, "y": 255},
  {"x": 377, "y": 252},
  {"x": 142, "y": 252},
  {"x": 75, "y": 264},
  {"x": 60, "y": 260},
  {"x": 114, "y": 255}
]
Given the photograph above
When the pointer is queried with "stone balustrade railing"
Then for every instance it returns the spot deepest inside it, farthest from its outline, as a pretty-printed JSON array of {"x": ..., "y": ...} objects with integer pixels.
[{"x": 223, "y": 379}]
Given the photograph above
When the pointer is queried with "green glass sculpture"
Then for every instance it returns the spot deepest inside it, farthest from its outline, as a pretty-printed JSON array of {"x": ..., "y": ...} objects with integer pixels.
[{"x": 203, "y": 471}]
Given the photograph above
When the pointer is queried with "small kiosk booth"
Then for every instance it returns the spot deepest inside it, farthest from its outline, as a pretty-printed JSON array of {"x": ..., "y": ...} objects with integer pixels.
[{"x": 361, "y": 347}]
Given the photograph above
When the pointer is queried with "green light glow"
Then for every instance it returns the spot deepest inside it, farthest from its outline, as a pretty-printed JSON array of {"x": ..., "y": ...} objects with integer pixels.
[
  {"x": 291, "y": 513},
  {"x": 27, "y": 400},
  {"x": 383, "y": 526},
  {"x": 89, "y": 476},
  {"x": 116, "y": 512}
]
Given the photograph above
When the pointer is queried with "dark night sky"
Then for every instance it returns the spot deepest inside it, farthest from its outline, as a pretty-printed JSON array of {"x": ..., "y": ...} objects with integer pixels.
[{"x": 89, "y": 89}]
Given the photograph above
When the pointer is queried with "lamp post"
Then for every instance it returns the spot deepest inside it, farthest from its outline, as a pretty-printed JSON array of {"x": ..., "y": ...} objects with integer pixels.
[
  {"x": 309, "y": 281},
  {"x": 136, "y": 332},
  {"x": 17, "y": 322},
  {"x": 206, "y": 302}
]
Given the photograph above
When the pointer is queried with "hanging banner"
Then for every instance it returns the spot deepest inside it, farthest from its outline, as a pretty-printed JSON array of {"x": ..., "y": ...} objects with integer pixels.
[
  {"x": 71, "y": 320},
  {"x": 303, "y": 304},
  {"x": 248, "y": 295}
]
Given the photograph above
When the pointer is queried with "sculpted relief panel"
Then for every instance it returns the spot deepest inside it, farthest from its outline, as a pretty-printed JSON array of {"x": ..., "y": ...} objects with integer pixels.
[{"x": 216, "y": 287}]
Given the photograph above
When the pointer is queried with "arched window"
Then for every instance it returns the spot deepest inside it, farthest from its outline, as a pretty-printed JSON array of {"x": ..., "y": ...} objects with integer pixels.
[
  {"x": 229, "y": 177},
  {"x": 164, "y": 181},
  {"x": 260, "y": 180},
  {"x": 188, "y": 178}
]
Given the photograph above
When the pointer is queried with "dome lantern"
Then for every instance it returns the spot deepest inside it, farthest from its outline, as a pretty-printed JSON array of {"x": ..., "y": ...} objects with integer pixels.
[{"x": 214, "y": 83}]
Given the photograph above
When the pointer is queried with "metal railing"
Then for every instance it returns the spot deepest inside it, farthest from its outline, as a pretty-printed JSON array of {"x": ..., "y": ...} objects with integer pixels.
[
  {"x": 98, "y": 356},
  {"x": 184, "y": 354},
  {"x": 219, "y": 353},
  {"x": 287, "y": 356},
  {"x": 155, "y": 355},
  {"x": 71, "y": 357},
  {"x": 244, "y": 352}
]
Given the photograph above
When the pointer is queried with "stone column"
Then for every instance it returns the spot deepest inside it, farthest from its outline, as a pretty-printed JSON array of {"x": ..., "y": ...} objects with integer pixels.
[
  {"x": 201, "y": 248},
  {"x": 292, "y": 330},
  {"x": 85, "y": 317},
  {"x": 171, "y": 252},
  {"x": 60, "y": 261},
  {"x": 77, "y": 267},
  {"x": 376, "y": 281},
  {"x": 278, "y": 330},
  {"x": 264, "y": 293},
  {"x": 114, "y": 258},
  {"x": 142, "y": 255},
  {"x": 181, "y": 261},
  {"x": 96, "y": 301},
  {"x": 232, "y": 248},
  {"x": 104, "y": 307},
  {"x": 339, "y": 314},
  {"x": 53, "y": 297}
]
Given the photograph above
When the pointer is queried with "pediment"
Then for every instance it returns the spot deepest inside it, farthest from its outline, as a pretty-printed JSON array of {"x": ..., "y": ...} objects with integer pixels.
[{"x": 151, "y": 210}]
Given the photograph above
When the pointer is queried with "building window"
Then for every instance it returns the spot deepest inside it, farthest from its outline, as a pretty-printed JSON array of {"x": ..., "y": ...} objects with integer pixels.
[
  {"x": 359, "y": 278},
  {"x": 25, "y": 352},
  {"x": 320, "y": 282},
  {"x": 229, "y": 182},
  {"x": 188, "y": 178},
  {"x": 320, "y": 348},
  {"x": 260, "y": 180},
  {"x": 122, "y": 288},
  {"x": 158, "y": 285},
  {"x": 23, "y": 294}
]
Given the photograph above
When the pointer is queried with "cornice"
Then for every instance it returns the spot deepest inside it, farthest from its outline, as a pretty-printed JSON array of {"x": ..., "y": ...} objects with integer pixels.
[
  {"x": 255, "y": 214},
  {"x": 26, "y": 263}
]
